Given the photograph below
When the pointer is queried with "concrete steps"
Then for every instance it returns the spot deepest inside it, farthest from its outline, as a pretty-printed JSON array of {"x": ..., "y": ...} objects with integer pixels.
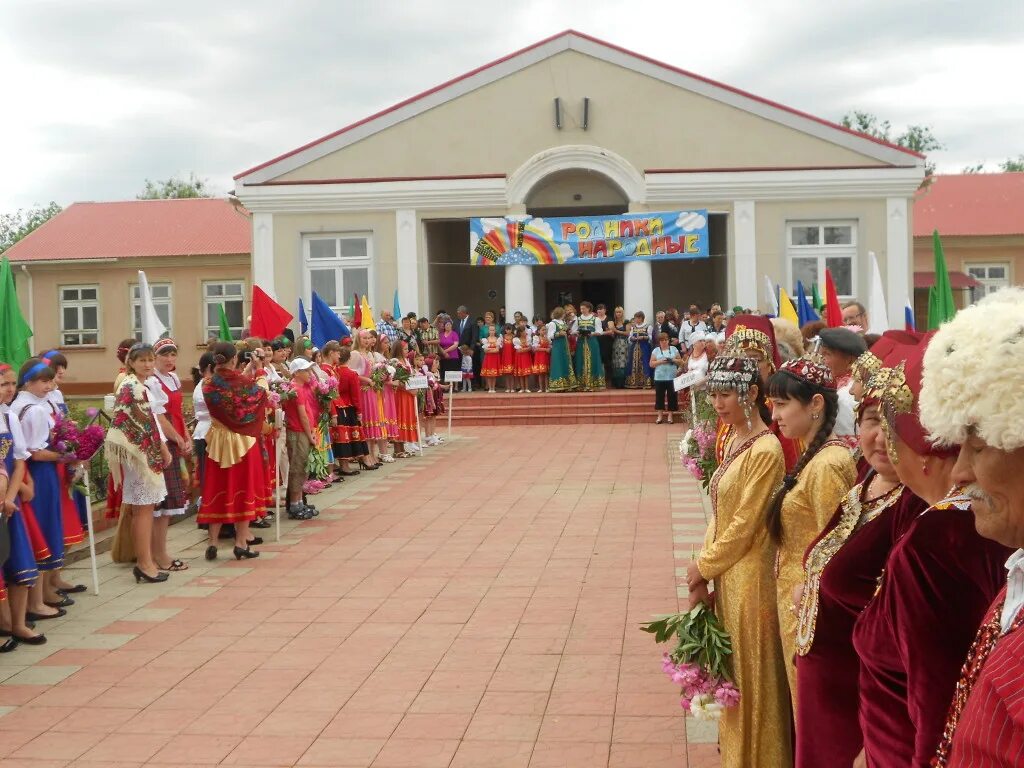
[{"x": 522, "y": 409}]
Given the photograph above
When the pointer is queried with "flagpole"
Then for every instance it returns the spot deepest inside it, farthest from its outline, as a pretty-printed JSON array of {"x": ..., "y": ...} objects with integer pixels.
[
  {"x": 451, "y": 406},
  {"x": 282, "y": 456},
  {"x": 92, "y": 535}
]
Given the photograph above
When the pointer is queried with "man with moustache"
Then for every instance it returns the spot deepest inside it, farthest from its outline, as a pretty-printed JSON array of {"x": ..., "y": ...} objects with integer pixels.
[{"x": 973, "y": 395}]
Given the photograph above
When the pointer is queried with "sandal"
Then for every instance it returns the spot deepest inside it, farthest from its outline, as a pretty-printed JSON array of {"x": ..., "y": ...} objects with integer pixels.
[{"x": 176, "y": 565}]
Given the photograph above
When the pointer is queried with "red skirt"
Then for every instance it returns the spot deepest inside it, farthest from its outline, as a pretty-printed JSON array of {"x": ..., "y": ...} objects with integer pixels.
[
  {"x": 491, "y": 366},
  {"x": 40, "y": 549},
  {"x": 113, "y": 499},
  {"x": 523, "y": 365},
  {"x": 270, "y": 446},
  {"x": 235, "y": 494},
  {"x": 405, "y": 403},
  {"x": 506, "y": 363},
  {"x": 541, "y": 360},
  {"x": 73, "y": 531}
]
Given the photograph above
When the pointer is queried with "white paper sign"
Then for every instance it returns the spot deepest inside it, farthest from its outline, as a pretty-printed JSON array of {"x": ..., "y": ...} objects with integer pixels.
[
  {"x": 688, "y": 380},
  {"x": 452, "y": 377},
  {"x": 416, "y": 382}
]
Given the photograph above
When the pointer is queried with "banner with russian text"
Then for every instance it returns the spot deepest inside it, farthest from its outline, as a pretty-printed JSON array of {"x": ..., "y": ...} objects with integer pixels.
[{"x": 588, "y": 239}]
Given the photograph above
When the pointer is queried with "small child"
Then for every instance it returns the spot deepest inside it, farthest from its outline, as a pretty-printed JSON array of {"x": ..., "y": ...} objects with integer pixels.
[
  {"x": 433, "y": 401},
  {"x": 542, "y": 358},
  {"x": 523, "y": 360},
  {"x": 507, "y": 364},
  {"x": 492, "y": 358},
  {"x": 467, "y": 368}
]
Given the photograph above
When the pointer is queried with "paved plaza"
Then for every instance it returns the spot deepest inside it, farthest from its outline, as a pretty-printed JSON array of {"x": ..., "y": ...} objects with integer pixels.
[{"x": 478, "y": 607}]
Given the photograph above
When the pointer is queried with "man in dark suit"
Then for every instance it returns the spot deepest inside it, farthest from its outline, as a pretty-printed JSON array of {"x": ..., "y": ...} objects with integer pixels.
[{"x": 465, "y": 326}]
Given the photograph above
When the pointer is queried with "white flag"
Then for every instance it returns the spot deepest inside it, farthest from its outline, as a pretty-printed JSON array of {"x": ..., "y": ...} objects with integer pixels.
[
  {"x": 878, "y": 315},
  {"x": 152, "y": 328},
  {"x": 769, "y": 296}
]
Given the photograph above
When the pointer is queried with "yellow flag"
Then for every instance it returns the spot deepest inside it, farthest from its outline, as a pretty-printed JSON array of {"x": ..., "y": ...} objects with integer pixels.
[
  {"x": 367, "y": 314},
  {"x": 786, "y": 309}
]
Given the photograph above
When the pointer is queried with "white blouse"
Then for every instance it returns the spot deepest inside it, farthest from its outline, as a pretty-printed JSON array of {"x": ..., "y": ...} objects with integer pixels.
[
  {"x": 36, "y": 421},
  {"x": 17, "y": 435},
  {"x": 203, "y": 422},
  {"x": 157, "y": 396}
]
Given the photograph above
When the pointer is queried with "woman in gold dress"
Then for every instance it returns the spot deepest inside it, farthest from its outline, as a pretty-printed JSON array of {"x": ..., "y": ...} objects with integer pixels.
[
  {"x": 738, "y": 557},
  {"x": 805, "y": 404}
]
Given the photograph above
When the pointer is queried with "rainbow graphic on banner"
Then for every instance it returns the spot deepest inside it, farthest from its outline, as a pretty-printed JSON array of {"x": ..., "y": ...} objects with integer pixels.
[{"x": 503, "y": 241}]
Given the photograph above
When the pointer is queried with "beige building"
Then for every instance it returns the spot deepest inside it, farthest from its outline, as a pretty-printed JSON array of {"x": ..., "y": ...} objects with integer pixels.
[
  {"x": 572, "y": 125},
  {"x": 980, "y": 219},
  {"x": 77, "y": 279}
]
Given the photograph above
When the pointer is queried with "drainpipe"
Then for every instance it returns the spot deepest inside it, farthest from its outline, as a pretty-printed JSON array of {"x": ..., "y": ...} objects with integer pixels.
[{"x": 31, "y": 309}]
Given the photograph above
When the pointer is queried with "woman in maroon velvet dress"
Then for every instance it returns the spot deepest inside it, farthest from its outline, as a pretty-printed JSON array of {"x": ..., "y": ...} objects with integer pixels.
[
  {"x": 841, "y": 570},
  {"x": 939, "y": 579}
]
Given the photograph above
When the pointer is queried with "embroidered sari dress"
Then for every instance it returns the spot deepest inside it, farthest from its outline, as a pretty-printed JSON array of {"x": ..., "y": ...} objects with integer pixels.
[
  {"x": 405, "y": 405},
  {"x": 36, "y": 418},
  {"x": 806, "y": 510},
  {"x": 738, "y": 556},
  {"x": 20, "y": 567},
  {"x": 589, "y": 369},
  {"x": 491, "y": 366},
  {"x": 914, "y": 634},
  {"x": 638, "y": 370},
  {"x": 620, "y": 355},
  {"x": 234, "y": 488},
  {"x": 561, "y": 377},
  {"x": 841, "y": 574}
]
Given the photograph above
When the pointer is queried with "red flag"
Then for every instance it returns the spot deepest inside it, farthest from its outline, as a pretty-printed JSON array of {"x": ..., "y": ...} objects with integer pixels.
[
  {"x": 357, "y": 311},
  {"x": 835, "y": 314},
  {"x": 269, "y": 318}
]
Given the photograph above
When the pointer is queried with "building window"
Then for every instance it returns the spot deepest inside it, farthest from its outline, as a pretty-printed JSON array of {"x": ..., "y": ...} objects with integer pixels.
[
  {"x": 337, "y": 267},
  {"x": 812, "y": 247},
  {"x": 993, "y": 277},
  {"x": 79, "y": 315},
  {"x": 231, "y": 294},
  {"x": 161, "y": 293}
]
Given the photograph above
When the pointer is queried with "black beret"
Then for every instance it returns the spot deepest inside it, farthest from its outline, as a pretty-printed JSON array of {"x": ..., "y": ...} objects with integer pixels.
[{"x": 843, "y": 340}]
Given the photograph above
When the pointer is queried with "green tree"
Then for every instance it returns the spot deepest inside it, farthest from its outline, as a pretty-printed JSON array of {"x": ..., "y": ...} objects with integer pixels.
[
  {"x": 1013, "y": 165},
  {"x": 917, "y": 138},
  {"x": 175, "y": 187},
  {"x": 15, "y": 226},
  {"x": 978, "y": 168}
]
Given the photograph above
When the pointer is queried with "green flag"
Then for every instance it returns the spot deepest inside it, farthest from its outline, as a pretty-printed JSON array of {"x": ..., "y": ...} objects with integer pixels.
[
  {"x": 940, "y": 296},
  {"x": 816, "y": 299},
  {"x": 14, "y": 331},
  {"x": 225, "y": 326}
]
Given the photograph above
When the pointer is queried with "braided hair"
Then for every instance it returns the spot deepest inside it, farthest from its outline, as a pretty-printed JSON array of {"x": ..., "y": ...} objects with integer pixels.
[{"x": 784, "y": 385}]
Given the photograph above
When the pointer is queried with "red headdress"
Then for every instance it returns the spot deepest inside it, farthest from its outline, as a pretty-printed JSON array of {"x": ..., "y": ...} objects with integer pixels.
[
  {"x": 752, "y": 332},
  {"x": 812, "y": 370}
]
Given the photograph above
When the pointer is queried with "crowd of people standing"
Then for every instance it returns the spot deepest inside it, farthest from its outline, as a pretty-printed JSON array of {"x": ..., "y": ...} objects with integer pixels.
[{"x": 853, "y": 582}]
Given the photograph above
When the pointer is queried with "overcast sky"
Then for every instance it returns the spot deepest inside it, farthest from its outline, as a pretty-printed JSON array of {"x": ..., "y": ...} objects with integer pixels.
[{"x": 102, "y": 94}]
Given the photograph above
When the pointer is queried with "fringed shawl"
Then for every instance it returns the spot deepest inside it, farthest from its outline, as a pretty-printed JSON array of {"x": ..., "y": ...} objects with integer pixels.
[{"x": 133, "y": 439}]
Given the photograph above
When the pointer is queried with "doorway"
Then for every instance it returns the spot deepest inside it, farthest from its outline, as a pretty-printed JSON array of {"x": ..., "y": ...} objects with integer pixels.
[{"x": 558, "y": 293}]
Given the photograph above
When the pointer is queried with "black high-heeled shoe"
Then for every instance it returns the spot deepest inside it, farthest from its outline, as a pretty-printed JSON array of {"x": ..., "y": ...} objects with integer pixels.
[
  {"x": 211, "y": 552},
  {"x": 141, "y": 575},
  {"x": 245, "y": 553},
  {"x": 367, "y": 467},
  {"x": 255, "y": 541}
]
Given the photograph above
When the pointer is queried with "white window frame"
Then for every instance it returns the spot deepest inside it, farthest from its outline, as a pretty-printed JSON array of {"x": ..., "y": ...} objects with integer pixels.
[
  {"x": 338, "y": 263},
  {"x": 214, "y": 330},
  {"x": 822, "y": 252},
  {"x": 79, "y": 304},
  {"x": 989, "y": 284},
  {"x": 168, "y": 301}
]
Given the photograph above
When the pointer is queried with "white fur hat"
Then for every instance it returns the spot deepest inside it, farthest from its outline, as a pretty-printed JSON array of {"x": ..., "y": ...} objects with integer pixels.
[{"x": 974, "y": 374}]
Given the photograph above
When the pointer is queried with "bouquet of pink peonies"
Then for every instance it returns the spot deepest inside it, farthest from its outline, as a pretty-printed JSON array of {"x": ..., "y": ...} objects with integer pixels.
[
  {"x": 284, "y": 391},
  {"x": 90, "y": 440},
  {"x": 326, "y": 391},
  {"x": 699, "y": 664}
]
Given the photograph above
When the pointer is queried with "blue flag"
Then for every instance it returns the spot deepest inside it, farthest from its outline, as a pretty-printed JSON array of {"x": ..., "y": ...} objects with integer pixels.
[
  {"x": 303, "y": 323},
  {"x": 804, "y": 311},
  {"x": 396, "y": 309},
  {"x": 327, "y": 326}
]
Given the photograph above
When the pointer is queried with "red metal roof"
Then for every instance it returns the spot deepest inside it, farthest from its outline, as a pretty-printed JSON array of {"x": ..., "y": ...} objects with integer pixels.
[
  {"x": 592, "y": 39},
  {"x": 137, "y": 228},
  {"x": 971, "y": 204},
  {"x": 957, "y": 280}
]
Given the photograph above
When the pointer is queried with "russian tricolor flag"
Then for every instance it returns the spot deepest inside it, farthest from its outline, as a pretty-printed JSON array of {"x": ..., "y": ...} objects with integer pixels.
[{"x": 908, "y": 317}]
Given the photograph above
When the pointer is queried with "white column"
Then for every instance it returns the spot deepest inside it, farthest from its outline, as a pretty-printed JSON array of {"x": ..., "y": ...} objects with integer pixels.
[
  {"x": 263, "y": 252},
  {"x": 745, "y": 262},
  {"x": 408, "y": 265},
  {"x": 897, "y": 260},
  {"x": 518, "y": 289},
  {"x": 638, "y": 288}
]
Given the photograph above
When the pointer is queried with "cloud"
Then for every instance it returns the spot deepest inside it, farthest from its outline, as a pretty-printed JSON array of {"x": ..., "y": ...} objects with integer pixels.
[
  {"x": 690, "y": 220},
  {"x": 106, "y": 93}
]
